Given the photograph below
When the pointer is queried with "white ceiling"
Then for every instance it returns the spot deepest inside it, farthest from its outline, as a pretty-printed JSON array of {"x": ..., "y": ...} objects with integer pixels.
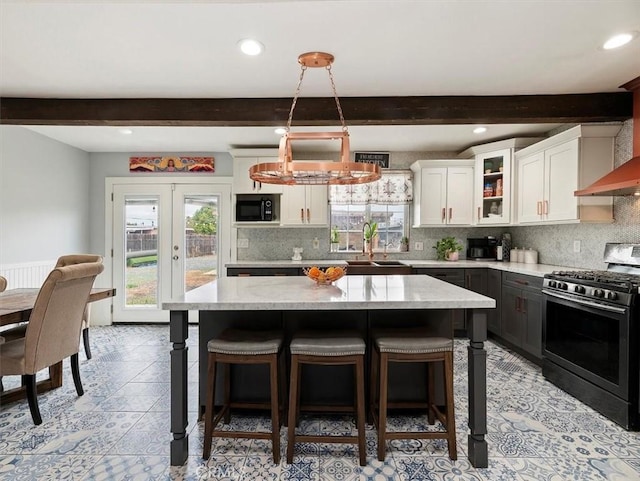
[{"x": 155, "y": 49}]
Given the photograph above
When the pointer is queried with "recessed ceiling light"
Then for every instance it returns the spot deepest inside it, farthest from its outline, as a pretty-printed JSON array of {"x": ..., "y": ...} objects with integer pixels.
[
  {"x": 618, "y": 41},
  {"x": 251, "y": 47},
  {"x": 125, "y": 131},
  {"x": 280, "y": 131},
  {"x": 479, "y": 130}
]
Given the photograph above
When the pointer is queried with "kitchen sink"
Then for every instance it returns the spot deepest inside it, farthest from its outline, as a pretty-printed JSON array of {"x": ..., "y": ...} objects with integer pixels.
[
  {"x": 389, "y": 263},
  {"x": 365, "y": 267}
]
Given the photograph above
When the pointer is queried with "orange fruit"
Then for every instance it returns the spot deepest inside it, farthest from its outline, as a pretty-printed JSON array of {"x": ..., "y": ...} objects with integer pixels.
[{"x": 314, "y": 272}]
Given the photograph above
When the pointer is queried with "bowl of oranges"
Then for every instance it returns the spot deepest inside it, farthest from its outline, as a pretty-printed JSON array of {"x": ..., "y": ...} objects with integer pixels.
[{"x": 326, "y": 276}]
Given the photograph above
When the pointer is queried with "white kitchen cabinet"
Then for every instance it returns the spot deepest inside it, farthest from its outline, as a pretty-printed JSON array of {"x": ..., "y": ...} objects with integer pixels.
[
  {"x": 243, "y": 159},
  {"x": 549, "y": 172},
  {"x": 304, "y": 205},
  {"x": 493, "y": 199},
  {"x": 443, "y": 192}
]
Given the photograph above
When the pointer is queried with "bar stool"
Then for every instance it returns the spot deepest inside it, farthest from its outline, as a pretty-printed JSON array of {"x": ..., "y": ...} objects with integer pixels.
[
  {"x": 411, "y": 345},
  {"x": 329, "y": 348},
  {"x": 236, "y": 346}
]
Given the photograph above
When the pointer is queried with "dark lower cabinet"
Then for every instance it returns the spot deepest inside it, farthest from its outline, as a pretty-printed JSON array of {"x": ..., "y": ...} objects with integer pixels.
[
  {"x": 522, "y": 313},
  {"x": 494, "y": 290}
]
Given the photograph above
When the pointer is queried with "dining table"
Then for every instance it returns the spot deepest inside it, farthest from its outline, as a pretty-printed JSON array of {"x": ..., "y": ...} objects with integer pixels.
[{"x": 15, "y": 307}]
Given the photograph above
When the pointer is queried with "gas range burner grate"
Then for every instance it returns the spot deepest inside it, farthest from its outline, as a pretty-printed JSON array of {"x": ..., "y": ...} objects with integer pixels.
[{"x": 613, "y": 280}]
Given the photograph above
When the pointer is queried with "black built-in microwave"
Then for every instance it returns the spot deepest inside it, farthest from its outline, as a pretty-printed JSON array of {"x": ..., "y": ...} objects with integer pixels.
[{"x": 254, "y": 210}]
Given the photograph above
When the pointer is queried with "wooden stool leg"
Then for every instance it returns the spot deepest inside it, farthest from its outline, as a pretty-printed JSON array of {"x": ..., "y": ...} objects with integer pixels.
[
  {"x": 227, "y": 393},
  {"x": 373, "y": 385},
  {"x": 208, "y": 414},
  {"x": 275, "y": 409},
  {"x": 293, "y": 407},
  {"x": 382, "y": 405},
  {"x": 360, "y": 411},
  {"x": 431, "y": 415},
  {"x": 451, "y": 418}
]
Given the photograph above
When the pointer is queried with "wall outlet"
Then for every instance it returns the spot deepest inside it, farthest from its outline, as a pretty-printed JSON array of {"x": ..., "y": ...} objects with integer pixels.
[
  {"x": 316, "y": 243},
  {"x": 418, "y": 246},
  {"x": 576, "y": 246},
  {"x": 243, "y": 243}
]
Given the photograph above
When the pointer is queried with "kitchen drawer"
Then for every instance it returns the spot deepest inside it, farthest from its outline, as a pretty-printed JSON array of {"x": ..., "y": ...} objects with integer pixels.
[
  {"x": 452, "y": 276},
  {"x": 263, "y": 271},
  {"x": 522, "y": 281}
]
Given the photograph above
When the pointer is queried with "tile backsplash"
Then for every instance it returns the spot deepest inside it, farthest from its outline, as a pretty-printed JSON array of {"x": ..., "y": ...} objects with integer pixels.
[{"x": 555, "y": 243}]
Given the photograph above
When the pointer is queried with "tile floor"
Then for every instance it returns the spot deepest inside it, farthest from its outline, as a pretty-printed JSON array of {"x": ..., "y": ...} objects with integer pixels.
[{"x": 120, "y": 429}]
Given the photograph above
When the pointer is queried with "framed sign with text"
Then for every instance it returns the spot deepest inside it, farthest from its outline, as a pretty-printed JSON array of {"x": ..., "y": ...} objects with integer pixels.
[{"x": 381, "y": 159}]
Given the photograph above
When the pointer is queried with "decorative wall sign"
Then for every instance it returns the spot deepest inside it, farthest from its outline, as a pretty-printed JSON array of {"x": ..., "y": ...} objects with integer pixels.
[
  {"x": 379, "y": 158},
  {"x": 171, "y": 164}
]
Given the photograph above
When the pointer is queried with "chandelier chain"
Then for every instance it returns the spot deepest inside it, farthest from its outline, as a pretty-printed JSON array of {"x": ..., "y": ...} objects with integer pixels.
[
  {"x": 303, "y": 68},
  {"x": 296, "y": 95},
  {"x": 345, "y": 129}
]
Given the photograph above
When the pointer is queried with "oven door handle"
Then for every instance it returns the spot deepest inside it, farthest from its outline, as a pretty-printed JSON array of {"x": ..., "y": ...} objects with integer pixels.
[{"x": 618, "y": 310}]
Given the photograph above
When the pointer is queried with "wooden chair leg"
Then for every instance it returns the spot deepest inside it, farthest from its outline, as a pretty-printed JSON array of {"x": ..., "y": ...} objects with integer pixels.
[
  {"x": 373, "y": 385},
  {"x": 75, "y": 371},
  {"x": 29, "y": 381},
  {"x": 275, "y": 409},
  {"x": 382, "y": 405},
  {"x": 209, "y": 406},
  {"x": 451, "y": 418},
  {"x": 85, "y": 341},
  {"x": 360, "y": 410},
  {"x": 293, "y": 407}
]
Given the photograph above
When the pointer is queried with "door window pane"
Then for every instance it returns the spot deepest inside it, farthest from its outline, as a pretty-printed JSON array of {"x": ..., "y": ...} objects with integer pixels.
[
  {"x": 141, "y": 251},
  {"x": 200, "y": 240}
]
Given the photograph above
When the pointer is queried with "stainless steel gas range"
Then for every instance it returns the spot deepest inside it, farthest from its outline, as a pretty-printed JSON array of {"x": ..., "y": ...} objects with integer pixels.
[{"x": 590, "y": 334}]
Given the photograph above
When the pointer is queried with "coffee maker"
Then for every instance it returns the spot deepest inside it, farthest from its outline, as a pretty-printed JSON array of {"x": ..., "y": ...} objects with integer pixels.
[{"x": 482, "y": 248}]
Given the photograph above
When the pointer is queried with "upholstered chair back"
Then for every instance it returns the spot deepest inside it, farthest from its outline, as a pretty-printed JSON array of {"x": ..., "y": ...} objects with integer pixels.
[{"x": 55, "y": 324}]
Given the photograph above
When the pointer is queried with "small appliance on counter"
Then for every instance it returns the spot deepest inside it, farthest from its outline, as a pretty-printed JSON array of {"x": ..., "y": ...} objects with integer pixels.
[
  {"x": 254, "y": 210},
  {"x": 483, "y": 248}
]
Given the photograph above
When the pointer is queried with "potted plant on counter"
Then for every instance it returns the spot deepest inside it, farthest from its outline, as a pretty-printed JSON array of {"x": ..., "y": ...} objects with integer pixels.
[
  {"x": 370, "y": 232},
  {"x": 448, "y": 249},
  {"x": 404, "y": 244},
  {"x": 335, "y": 239}
]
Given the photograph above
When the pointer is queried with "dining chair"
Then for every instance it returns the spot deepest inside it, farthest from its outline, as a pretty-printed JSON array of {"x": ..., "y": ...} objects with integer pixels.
[
  {"x": 53, "y": 331},
  {"x": 68, "y": 260},
  {"x": 3, "y": 283}
]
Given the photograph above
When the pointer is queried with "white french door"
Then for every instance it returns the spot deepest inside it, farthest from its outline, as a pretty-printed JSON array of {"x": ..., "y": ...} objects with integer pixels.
[{"x": 167, "y": 240}]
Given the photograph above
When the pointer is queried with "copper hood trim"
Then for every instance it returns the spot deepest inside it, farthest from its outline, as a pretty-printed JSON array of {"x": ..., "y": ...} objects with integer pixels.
[{"x": 623, "y": 180}]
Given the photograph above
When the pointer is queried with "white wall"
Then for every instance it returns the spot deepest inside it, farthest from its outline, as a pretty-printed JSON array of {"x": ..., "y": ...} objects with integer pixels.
[{"x": 44, "y": 197}]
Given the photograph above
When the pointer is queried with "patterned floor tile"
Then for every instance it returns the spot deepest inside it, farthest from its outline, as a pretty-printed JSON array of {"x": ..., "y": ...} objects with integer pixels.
[{"x": 120, "y": 428}]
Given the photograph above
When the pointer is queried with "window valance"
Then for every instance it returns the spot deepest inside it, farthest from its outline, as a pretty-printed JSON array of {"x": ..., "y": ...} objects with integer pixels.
[{"x": 395, "y": 187}]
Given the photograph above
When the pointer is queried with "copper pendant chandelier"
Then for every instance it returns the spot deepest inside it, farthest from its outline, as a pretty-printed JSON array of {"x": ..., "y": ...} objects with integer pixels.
[{"x": 291, "y": 172}]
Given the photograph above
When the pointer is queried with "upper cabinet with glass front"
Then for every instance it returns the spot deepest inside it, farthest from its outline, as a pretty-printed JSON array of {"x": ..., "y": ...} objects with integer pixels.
[{"x": 493, "y": 181}]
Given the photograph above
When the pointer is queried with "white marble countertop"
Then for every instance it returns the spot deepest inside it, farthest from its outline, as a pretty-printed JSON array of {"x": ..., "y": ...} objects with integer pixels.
[
  {"x": 538, "y": 270},
  {"x": 350, "y": 292}
]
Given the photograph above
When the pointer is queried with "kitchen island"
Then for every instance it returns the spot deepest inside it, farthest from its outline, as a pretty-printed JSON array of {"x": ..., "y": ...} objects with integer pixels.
[{"x": 353, "y": 301}]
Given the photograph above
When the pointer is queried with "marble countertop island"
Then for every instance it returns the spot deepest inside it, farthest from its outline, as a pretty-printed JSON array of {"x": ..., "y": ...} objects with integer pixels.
[{"x": 350, "y": 292}]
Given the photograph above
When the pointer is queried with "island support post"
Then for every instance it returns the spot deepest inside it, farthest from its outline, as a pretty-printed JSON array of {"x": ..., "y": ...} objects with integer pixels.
[
  {"x": 178, "y": 334},
  {"x": 477, "y": 378}
]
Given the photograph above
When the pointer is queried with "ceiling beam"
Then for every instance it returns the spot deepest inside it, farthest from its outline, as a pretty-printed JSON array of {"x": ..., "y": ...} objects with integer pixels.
[{"x": 320, "y": 111}]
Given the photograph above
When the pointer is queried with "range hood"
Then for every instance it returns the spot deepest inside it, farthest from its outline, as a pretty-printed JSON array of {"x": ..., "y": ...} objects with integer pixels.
[{"x": 625, "y": 179}]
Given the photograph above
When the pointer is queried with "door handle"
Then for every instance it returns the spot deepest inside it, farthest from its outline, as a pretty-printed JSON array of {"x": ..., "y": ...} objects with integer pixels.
[
  {"x": 539, "y": 208},
  {"x": 546, "y": 207},
  {"x": 518, "y": 304},
  {"x": 302, "y": 215},
  {"x": 308, "y": 215},
  {"x": 478, "y": 213},
  {"x": 523, "y": 306},
  {"x": 450, "y": 213},
  {"x": 444, "y": 215},
  {"x": 175, "y": 258}
]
